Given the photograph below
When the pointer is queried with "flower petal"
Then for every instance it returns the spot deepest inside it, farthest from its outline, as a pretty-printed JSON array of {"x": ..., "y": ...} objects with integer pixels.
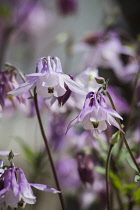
[
  {"x": 72, "y": 123},
  {"x": 112, "y": 121},
  {"x": 23, "y": 88},
  {"x": 59, "y": 91},
  {"x": 73, "y": 86},
  {"x": 25, "y": 188},
  {"x": 44, "y": 187},
  {"x": 102, "y": 126}
]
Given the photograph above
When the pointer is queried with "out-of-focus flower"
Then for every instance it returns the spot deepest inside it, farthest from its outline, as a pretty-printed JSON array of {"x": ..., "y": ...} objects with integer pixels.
[
  {"x": 95, "y": 114},
  {"x": 96, "y": 193},
  {"x": 85, "y": 168},
  {"x": 67, "y": 7},
  {"x": 49, "y": 80},
  {"x": 87, "y": 79},
  {"x": 108, "y": 51},
  {"x": 57, "y": 132},
  {"x": 67, "y": 172},
  {"x": 17, "y": 191}
]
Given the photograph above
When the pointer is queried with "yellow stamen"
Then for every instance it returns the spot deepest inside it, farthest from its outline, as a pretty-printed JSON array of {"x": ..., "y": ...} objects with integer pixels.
[
  {"x": 95, "y": 124},
  {"x": 50, "y": 89},
  {"x": 21, "y": 203}
]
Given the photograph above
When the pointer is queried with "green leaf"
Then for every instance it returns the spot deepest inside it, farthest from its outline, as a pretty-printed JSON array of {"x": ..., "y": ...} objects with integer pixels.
[
  {"x": 116, "y": 181},
  {"x": 137, "y": 178},
  {"x": 129, "y": 188},
  {"x": 99, "y": 169},
  {"x": 137, "y": 195},
  {"x": 131, "y": 163},
  {"x": 129, "y": 160},
  {"x": 28, "y": 152}
]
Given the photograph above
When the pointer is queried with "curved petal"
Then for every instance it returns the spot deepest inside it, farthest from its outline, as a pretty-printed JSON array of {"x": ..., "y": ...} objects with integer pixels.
[
  {"x": 23, "y": 88},
  {"x": 59, "y": 91},
  {"x": 39, "y": 64},
  {"x": 25, "y": 188},
  {"x": 58, "y": 65},
  {"x": 72, "y": 123},
  {"x": 102, "y": 126},
  {"x": 113, "y": 122},
  {"x": 73, "y": 86},
  {"x": 112, "y": 112},
  {"x": 87, "y": 124},
  {"x": 39, "y": 74},
  {"x": 44, "y": 187},
  {"x": 84, "y": 112}
]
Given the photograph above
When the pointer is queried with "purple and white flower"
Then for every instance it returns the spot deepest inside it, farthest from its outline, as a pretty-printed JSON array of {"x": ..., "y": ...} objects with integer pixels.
[
  {"x": 95, "y": 114},
  {"x": 49, "y": 80},
  {"x": 16, "y": 191}
]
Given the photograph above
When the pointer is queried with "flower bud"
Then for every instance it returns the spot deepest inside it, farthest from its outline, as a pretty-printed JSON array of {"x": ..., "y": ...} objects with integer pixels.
[
  {"x": 85, "y": 168},
  {"x": 115, "y": 137},
  {"x": 67, "y": 7},
  {"x": 100, "y": 80}
]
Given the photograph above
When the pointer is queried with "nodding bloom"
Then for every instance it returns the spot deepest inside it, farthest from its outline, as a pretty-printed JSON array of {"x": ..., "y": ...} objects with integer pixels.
[
  {"x": 67, "y": 7},
  {"x": 15, "y": 191},
  {"x": 95, "y": 114},
  {"x": 85, "y": 168},
  {"x": 49, "y": 80}
]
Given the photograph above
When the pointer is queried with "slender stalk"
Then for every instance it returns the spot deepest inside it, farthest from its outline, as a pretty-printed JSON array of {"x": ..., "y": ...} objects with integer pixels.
[
  {"x": 107, "y": 177},
  {"x": 47, "y": 148},
  {"x": 130, "y": 203},
  {"x": 3, "y": 45},
  {"x": 119, "y": 199},
  {"x": 122, "y": 134}
]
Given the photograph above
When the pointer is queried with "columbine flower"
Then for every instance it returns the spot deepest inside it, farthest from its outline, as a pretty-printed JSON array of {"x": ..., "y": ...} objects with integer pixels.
[
  {"x": 87, "y": 79},
  {"x": 95, "y": 114},
  {"x": 49, "y": 80},
  {"x": 17, "y": 191}
]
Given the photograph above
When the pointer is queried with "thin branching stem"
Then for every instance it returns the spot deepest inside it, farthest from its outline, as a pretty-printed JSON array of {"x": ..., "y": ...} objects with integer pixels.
[
  {"x": 48, "y": 149},
  {"x": 123, "y": 135}
]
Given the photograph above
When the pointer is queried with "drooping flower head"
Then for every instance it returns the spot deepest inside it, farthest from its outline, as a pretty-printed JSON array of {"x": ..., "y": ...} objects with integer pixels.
[
  {"x": 95, "y": 114},
  {"x": 85, "y": 168},
  {"x": 16, "y": 190},
  {"x": 67, "y": 7},
  {"x": 49, "y": 80}
]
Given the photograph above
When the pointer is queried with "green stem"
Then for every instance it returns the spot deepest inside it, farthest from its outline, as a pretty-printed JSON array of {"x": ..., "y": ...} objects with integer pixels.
[
  {"x": 107, "y": 177},
  {"x": 122, "y": 134},
  {"x": 48, "y": 149}
]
